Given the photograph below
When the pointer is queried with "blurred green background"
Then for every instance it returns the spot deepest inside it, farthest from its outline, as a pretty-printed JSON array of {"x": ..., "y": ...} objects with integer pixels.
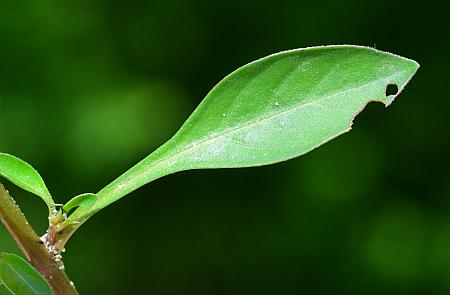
[{"x": 90, "y": 87}]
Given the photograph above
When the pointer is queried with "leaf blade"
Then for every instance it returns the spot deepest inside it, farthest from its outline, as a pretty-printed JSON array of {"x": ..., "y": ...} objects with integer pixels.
[
  {"x": 25, "y": 176},
  {"x": 80, "y": 200},
  {"x": 272, "y": 110},
  {"x": 20, "y": 277}
]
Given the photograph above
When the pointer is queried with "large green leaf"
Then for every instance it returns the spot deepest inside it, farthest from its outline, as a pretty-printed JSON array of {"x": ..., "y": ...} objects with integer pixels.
[
  {"x": 271, "y": 110},
  {"x": 23, "y": 175},
  {"x": 20, "y": 278}
]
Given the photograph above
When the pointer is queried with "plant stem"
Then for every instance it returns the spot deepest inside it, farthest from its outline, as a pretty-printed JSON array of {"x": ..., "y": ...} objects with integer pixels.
[{"x": 36, "y": 253}]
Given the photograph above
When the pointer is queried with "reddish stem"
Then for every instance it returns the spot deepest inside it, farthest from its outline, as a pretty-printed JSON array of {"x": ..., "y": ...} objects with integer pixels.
[{"x": 28, "y": 241}]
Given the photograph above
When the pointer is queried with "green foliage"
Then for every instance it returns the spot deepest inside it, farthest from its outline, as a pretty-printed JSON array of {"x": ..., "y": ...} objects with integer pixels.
[
  {"x": 25, "y": 176},
  {"x": 271, "y": 110},
  {"x": 78, "y": 200},
  {"x": 18, "y": 277}
]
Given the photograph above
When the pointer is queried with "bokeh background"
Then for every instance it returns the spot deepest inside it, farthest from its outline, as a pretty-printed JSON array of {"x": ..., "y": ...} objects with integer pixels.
[{"x": 90, "y": 87}]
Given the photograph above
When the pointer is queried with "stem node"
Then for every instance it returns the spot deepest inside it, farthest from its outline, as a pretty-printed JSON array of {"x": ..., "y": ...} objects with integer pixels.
[{"x": 34, "y": 248}]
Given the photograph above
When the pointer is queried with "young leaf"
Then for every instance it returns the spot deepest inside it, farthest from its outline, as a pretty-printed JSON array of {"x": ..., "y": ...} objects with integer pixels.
[
  {"x": 19, "y": 277},
  {"x": 23, "y": 175},
  {"x": 271, "y": 110},
  {"x": 82, "y": 199}
]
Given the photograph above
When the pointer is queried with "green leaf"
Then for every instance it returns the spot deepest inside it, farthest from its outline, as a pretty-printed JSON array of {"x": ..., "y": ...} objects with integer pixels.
[
  {"x": 23, "y": 175},
  {"x": 20, "y": 278},
  {"x": 82, "y": 199},
  {"x": 271, "y": 110}
]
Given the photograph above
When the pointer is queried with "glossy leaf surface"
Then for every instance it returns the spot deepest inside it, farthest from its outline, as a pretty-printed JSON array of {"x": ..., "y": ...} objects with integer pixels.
[{"x": 271, "y": 110}]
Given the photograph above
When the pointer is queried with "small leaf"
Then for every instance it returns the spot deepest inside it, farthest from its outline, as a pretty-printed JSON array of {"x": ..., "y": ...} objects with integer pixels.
[
  {"x": 271, "y": 110},
  {"x": 78, "y": 200},
  {"x": 19, "y": 277},
  {"x": 23, "y": 175}
]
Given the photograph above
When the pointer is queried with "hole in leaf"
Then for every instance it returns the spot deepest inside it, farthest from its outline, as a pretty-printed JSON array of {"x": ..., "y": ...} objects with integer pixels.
[{"x": 391, "y": 89}]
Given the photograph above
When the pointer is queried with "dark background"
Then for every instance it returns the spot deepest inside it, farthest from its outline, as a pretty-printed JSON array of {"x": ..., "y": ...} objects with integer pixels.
[{"x": 90, "y": 87}]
